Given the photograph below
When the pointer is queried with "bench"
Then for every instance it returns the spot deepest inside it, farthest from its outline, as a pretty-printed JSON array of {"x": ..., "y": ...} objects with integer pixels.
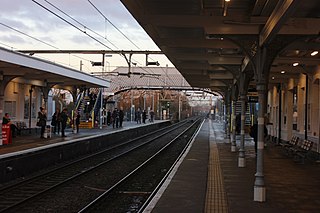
[
  {"x": 301, "y": 152},
  {"x": 22, "y": 126},
  {"x": 288, "y": 145}
]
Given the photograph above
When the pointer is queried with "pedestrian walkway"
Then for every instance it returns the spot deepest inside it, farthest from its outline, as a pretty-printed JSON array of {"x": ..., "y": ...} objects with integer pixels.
[{"x": 217, "y": 184}]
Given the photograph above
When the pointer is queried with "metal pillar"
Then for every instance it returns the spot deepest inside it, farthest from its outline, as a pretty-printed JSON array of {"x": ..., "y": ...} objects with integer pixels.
[
  {"x": 280, "y": 113},
  {"x": 101, "y": 107},
  {"x": 233, "y": 136},
  {"x": 179, "y": 103},
  {"x": 131, "y": 106},
  {"x": 306, "y": 109},
  {"x": 225, "y": 119},
  {"x": 30, "y": 107},
  {"x": 259, "y": 184},
  {"x": 228, "y": 121},
  {"x": 242, "y": 159}
]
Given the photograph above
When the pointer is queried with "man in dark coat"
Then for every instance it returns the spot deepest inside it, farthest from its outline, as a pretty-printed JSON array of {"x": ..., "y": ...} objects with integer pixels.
[
  {"x": 121, "y": 116},
  {"x": 254, "y": 134},
  {"x": 64, "y": 119},
  {"x": 115, "y": 118},
  {"x": 42, "y": 121}
]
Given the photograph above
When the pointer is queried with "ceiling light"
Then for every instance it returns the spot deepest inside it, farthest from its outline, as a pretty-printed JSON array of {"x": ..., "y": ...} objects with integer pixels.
[
  {"x": 227, "y": 0},
  {"x": 272, "y": 77},
  {"x": 295, "y": 64},
  {"x": 314, "y": 53},
  {"x": 283, "y": 72}
]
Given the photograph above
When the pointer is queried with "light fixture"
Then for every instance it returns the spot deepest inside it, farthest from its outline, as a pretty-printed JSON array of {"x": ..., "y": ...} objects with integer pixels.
[
  {"x": 272, "y": 77},
  {"x": 283, "y": 72},
  {"x": 227, "y": 0},
  {"x": 314, "y": 53},
  {"x": 295, "y": 64}
]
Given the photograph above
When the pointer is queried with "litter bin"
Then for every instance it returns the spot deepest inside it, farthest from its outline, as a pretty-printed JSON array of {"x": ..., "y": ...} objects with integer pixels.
[
  {"x": 6, "y": 134},
  {"x": 47, "y": 132}
]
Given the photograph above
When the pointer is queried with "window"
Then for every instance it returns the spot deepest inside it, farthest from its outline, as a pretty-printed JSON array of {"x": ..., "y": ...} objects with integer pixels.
[{"x": 10, "y": 107}]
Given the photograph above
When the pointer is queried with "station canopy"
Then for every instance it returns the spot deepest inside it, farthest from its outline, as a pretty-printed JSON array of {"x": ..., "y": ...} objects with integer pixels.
[
  {"x": 34, "y": 71},
  {"x": 209, "y": 40}
]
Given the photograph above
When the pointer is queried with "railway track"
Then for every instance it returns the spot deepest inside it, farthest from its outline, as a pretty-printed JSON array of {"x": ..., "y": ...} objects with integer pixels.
[
  {"x": 134, "y": 191},
  {"x": 71, "y": 187}
]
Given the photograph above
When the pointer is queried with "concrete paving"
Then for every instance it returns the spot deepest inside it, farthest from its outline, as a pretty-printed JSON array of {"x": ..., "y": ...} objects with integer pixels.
[{"x": 291, "y": 187}]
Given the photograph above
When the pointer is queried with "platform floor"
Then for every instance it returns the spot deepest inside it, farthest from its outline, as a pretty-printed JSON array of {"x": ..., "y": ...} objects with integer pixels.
[
  {"x": 29, "y": 141},
  {"x": 209, "y": 180},
  {"x": 212, "y": 181}
]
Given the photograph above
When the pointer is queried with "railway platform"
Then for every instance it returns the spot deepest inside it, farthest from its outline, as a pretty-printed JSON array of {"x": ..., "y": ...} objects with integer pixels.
[
  {"x": 209, "y": 180},
  {"x": 30, "y": 141}
]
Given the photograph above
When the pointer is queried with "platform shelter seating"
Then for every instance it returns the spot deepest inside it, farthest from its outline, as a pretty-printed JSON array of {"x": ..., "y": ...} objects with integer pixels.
[
  {"x": 301, "y": 152},
  {"x": 288, "y": 145}
]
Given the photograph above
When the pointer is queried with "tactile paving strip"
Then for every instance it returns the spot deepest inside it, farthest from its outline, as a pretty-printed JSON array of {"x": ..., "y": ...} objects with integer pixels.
[{"x": 216, "y": 199}]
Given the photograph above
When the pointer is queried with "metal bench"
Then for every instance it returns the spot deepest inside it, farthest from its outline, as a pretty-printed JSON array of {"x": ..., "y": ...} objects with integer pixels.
[
  {"x": 288, "y": 145},
  {"x": 301, "y": 152}
]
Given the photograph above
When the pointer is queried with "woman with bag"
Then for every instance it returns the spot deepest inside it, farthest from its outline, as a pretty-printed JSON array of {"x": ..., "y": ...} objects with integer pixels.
[{"x": 42, "y": 121}]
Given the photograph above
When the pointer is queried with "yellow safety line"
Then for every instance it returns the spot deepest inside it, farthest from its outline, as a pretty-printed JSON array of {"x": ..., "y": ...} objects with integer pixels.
[{"x": 216, "y": 200}]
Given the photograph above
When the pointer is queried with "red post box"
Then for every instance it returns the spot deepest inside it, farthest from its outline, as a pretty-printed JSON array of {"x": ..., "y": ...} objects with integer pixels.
[{"x": 6, "y": 134}]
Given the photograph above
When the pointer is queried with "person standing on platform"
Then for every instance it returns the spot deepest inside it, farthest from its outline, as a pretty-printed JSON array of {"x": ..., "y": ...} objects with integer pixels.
[
  {"x": 77, "y": 121},
  {"x": 115, "y": 118},
  {"x": 56, "y": 121},
  {"x": 6, "y": 120},
  {"x": 64, "y": 119},
  {"x": 138, "y": 116},
  {"x": 108, "y": 117},
  {"x": 151, "y": 116},
  {"x": 254, "y": 134},
  {"x": 121, "y": 116},
  {"x": 42, "y": 121},
  {"x": 144, "y": 116}
]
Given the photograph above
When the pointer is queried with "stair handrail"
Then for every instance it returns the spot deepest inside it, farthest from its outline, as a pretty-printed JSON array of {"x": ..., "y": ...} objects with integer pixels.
[
  {"x": 95, "y": 104},
  {"x": 79, "y": 99}
]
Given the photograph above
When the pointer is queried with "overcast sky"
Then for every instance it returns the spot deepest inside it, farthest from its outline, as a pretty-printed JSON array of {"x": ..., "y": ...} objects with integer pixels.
[{"x": 30, "y": 18}]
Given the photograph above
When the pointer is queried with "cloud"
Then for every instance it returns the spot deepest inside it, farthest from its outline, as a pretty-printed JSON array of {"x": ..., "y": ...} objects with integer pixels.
[
  {"x": 13, "y": 39},
  {"x": 37, "y": 22}
]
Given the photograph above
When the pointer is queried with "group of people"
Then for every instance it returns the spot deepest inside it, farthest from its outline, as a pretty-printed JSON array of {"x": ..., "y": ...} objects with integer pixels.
[
  {"x": 143, "y": 115},
  {"x": 117, "y": 115},
  {"x": 59, "y": 121},
  {"x": 116, "y": 118}
]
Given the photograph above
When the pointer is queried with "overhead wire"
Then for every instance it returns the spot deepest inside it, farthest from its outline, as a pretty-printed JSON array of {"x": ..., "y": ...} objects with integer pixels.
[
  {"x": 84, "y": 26},
  {"x": 83, "y": 31},
  {"x": 39, "y": 40},
  {"x": 113, "y": 24},
  {"x": 7, "y": 46},
  {"x": 68, "y": 22},
  {"x": 106, "y": 18},
  {"x": 28, "y": 35},
  {"x": 71, "y": 24}
]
